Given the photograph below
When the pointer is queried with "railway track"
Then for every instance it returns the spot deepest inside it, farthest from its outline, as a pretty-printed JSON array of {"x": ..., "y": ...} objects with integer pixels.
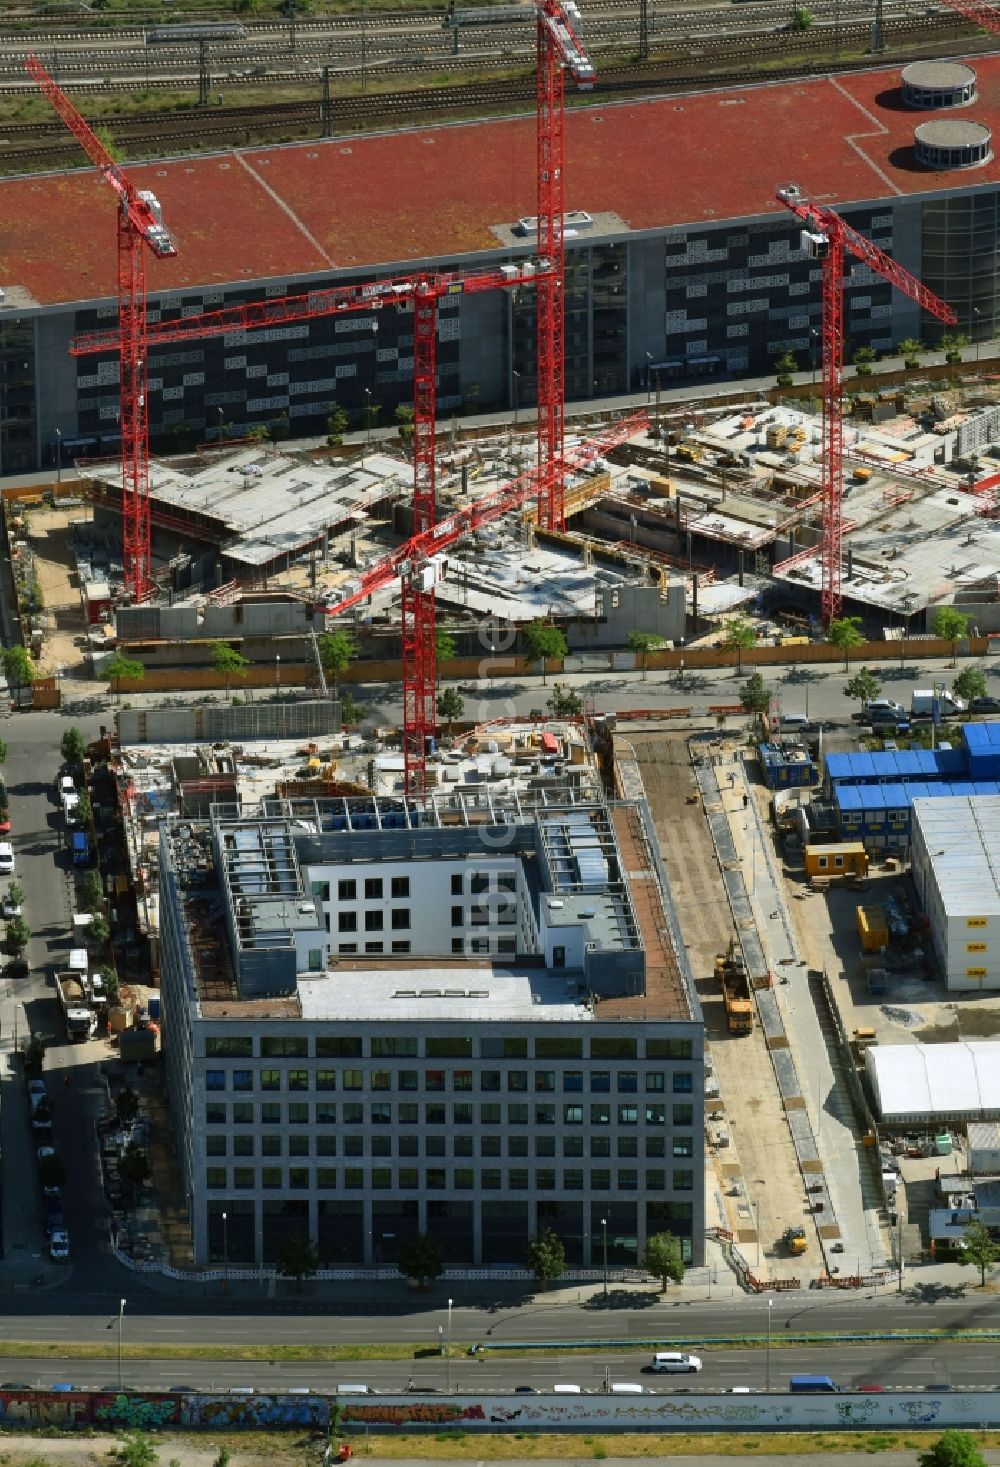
[{"x": 159, "y": 133}]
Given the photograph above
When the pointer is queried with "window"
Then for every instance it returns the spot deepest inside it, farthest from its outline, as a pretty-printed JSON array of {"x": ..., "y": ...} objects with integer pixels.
[
  {"x": 347, "y": 947},
  {"x": 380, "y": 1145},
  {"x": 409, "y": 1178},
  {"x": 436, "y": 1115},
  {"x": 458, "y": 916},
  {"x": 404, "y": 1048},
  {"x": 656, "y": 1180},
  {"x": 298, "y": 1145},
  {"x": 600, "y": 1082},
  {"x": 628, "y": 1115},
  {"x": 434, "y": 1079},
  {"x": 656, "y": 1115},
  {"x": 572, "y": 1115},
  {"x": 408, "y": 1080},
  {"x": 489, "y": 1146},
  {"x": 224, "y": 1047},
  {"x": 270, "y": 1079},
  {"x": 381, "y": 1113},
  {"x": 627, "y": 1146},
  {"x": 683, "y": 1180},
  {"x": 683, "y": 1115},
  {"x": 320, "y": 889},
  {"x": 291, "y": 1046},
  {"x": 449, "y": 1046},
  {"x": 462, "y": 1115},
  {"x": 326, "y": 1113},
  {"x": 339, "y": 1047},
  {"x": 600, "y": 1145},
  {"x": 628, "y": 1082},
  {"x": 683, "y": 1146},
  {"x": 373, "y": 888},
  {"x": 242, "y": 1113},
  {"x": 656, "y": 1146},
  {"x": 298, "y": 1113},
  {"x": 243, "y": 1079},
  {"x": 545, "y": 1146},
  {"x": 354, "y": 1114},
  {"x": 270, "y": 1176},
  {"x": 612, "y": 1047},
  {"x": 243, "y": 1177},
  {"x": 573, "y": 1080},
  {"x": 401, "y": 945},
  {"x": 381, "y": 1178},
  {"x": 354, "y": 1178},
  {"x": 314, "y": 961},
  {"x": 408, "y": 1146},
  {"x": 503, "y": 1048},
  {"x": 545, "y": 1081},
  {"x": 409, "y": 1114},
  {"x": 489, "y": 1179},
  {"x": 600, "y": 1179},
  {"x": 655, "y": 1082},
  {"x": 558, "y": 956},
  {"x": 215, "y": 1079},
  {"x": 489, "y": 1080},
  {"x": 326, "y": 1079},
  {"x": 628, "y": 1179},
  {"x": 437, "y": 1178},
  {"x": 572, "y": 1146},
  {"x": 572, "y": 1179},
  {"x": 347, "y": 921},
  {"x": 215, "y": 1113},
  {"x": 683, "y": 1082},
  {"x": 669, "y": 1048},
  {"x": 373, "y": 921},
  {"x": 456, "y": 884},
  {"x": 347, "y": 891},
  {"x": 326, "y": 1177},
  {"x": 400, "y": 888},
  {"x": 215, "y": 1146},
  {"x": 380, "y": 1079},
  {"x": 517, "y": 1179},
  {"x": 270, "y": 1114},
  {"x": 242, "y": 1145},
  {"x": 215, "y": 1177},
  {"x": 600, "y": 1114},
  {"x": 463, "y": 1146},
  {"x": 354, "y": 1079},
  {"x": 400, "y": 919},
  {"x": 517, "y": 1080},
  {"x": 270, "y": 1145},
  {"x": 298, "y": 1079},
  {"x": 545, "y": 1115},
  {"x": 489, "y": 1115},
  {"x": 373, "y": 947},
  {"x": 545, "y": 1179},
  {"x": 464, "y": 1178},
  {"x": 458, "y": 944},
  {"x": 461, "y": 1080},
  {"x": 517, "y": 1115}
]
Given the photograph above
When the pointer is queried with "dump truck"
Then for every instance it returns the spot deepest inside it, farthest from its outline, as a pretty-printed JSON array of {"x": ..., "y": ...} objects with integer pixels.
[
  {"x": 730, "y": 969},
  {"x": 795, "y": 1240},
  {"x": 81, "y": 1020}
]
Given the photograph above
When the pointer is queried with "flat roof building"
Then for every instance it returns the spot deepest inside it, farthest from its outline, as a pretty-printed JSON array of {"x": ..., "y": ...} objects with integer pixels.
[
  {"x": 464, "y": 1017},
  {"x": 956, "y": 870}
]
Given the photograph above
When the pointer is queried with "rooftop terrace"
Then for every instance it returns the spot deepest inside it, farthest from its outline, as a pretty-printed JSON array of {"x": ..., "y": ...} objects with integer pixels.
[{"x": 306, "y": 209}]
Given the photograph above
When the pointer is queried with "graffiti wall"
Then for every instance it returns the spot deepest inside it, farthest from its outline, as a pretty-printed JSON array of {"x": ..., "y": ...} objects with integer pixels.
[{"x": 651, "y": 1411}]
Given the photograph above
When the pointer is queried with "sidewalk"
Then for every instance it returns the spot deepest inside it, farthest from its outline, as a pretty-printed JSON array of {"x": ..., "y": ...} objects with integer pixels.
[{"x": 24, "y": 1254}]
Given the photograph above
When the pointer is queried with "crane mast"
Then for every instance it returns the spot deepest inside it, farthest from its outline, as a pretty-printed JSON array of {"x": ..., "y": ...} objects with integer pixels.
[
  {"x": 828, "y": 238},
  {"x": 140, "y": 227}
]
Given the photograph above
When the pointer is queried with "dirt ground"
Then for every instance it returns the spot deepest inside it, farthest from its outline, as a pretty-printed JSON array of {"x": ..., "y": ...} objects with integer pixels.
[
  {"x": 84, "y": 1450},
  {"x": 50, "y": 532},
  {"x": 760, "y": 1152}
]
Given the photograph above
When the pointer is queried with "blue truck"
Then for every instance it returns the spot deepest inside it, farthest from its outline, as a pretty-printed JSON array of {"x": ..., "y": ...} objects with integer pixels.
[{"x": 80, "y": 846}]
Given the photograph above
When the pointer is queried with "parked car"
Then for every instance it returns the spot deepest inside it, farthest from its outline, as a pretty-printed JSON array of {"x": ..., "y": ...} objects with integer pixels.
[
  {"x": 985, "y": 705},
  {"x": 36, "y": 1090},
  {"x": 6, "y": 858},
  {"x": 55, "y": 1220},
  {"x": 65, "y": 786},
  {"x": 59, "y": 1246},
  {"x": 50, "y": 1189},
  {"x": 9, "y": 908}
]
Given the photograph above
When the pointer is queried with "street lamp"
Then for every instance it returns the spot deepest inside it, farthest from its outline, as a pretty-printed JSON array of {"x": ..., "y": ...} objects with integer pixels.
[
  {"x": 649, "y": 376},
  {"x": 604, "y": 1231},
  {"x": 225, "y": 1250},
  {"x": 121, "y": 1325},
  {"x": 447, "y": 1365},
  {"x": 368, "y": 417},
  {"x": 813, "y": 338},
  {"x": 277, "y": 693},
  {"x": 767, "y": 1365},
  {"x": 219, "y": 411},
  {"x": 58, "y": 457},
  {"x": 975, "y": 328},
  {"x": 516, "y": 376}
]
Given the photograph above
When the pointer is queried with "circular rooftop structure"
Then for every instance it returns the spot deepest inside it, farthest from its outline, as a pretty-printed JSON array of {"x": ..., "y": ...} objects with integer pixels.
[
  {"x": 938, "y": 84},
  {"x": 953, "y": 144}
]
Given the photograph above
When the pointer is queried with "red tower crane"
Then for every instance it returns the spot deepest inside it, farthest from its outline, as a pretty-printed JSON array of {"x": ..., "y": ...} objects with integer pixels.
[
  {"x": 826, "y": 237},
  {"x": 140, "y": 227},
  {"x": 558, "y": 49}
]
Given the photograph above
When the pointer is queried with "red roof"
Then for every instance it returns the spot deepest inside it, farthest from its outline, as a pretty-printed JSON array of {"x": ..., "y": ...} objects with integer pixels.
[{"x": 439, "y": 192}]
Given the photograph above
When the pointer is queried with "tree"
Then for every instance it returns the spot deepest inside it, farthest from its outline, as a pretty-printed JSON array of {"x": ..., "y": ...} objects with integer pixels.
[
  {"x": 126, "y": 1106},
  {"x": 297, "y": 1258},
  {"x": 4, "y": 751},
  {"x": 110, "y": 978},
  {"x": 15, "y": 894},
  {"x": 351, "y": 711},
  {"x": 450, "y": 706},
  {"x": 228, "y": 662},
  {"x": 404, "y": 417},
  {"x": 18, "y": 933},
  {"x": 754, "y": 697},
  {"x": 864, "y": 686},
  {"x": 951, "y": 625},
  {"x": 951, "y": 344},
  {"x": 34, "y": 1054},
  {"x": 337, "y": 650},
  {"x": 445, "y": 646},
  {"x": 786, "y": 366},
  {"x": 642, "y": 643},
  {"x": 802, "y": 19},
  {"x": 336, "y": 425},
  {"x": 970, "y": 683},
  {"x": 740, "y": 635},
  {"x": 980, "y": 1249},
  {"x": 107, "y": 139},
  {"x": 952, "y": 1449},
  {"x": 99, "y": 932},
  {"x": 136, "y": 1450},
  {"x": 546, "y": 1257},
  {"x": 84, "y": 809},
  {"x": 133, "y": 1168},
  {"x": 864, "y": 358},
  {"x": 420, "y": 1259},
  {"x": 541, "y": 641},
  {"x": 909, "y": 350},
  {"x": 663, "y": 1257},
  {"x": 120, "y": 667},
  {"x": 72, "y": 747},
  {"x": 845, "y": 632},
  {"x": 564, "y": 703},
  {"x": 91, "y": 894},
  {"x": 18, "y": 669}
]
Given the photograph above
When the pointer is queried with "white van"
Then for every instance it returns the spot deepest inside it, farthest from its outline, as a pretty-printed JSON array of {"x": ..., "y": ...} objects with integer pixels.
[
  {"x": 675, "y": 1360},
  {"x": 352, "y": 1390},
  {"x": 566, "y": 1390},
  {"x": 626, "y": 1388},
  {"x": 794, "y": 722}
]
